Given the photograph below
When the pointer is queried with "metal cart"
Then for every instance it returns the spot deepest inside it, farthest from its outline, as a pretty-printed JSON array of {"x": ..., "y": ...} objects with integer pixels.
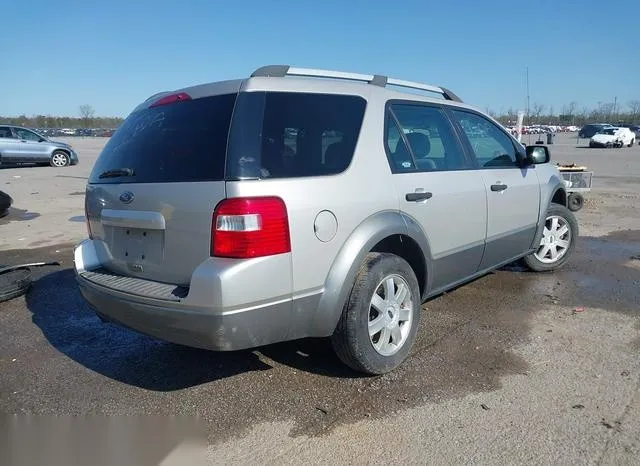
[{"x": 578, "y": 180}]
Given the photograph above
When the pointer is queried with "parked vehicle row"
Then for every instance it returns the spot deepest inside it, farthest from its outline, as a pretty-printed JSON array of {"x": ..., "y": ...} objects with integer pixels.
[
  {"x": 82, "y": 132},
  {"x": 542, "y": 129}
]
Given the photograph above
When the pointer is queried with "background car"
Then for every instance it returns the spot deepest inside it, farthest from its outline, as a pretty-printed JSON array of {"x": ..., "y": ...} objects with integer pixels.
[
  {"x": 22, "y": 145},
  {"x": 588, "y": 131},
  {"x": 613, "y": 137}
]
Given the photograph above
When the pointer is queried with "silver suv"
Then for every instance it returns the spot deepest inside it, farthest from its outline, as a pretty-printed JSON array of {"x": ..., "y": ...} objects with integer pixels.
[
  {"x": 309, "y": 203},
  {"x": 22, "y": 145}
]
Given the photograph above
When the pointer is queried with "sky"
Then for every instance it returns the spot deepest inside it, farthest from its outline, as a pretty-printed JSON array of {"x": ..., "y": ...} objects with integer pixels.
[{"x": 58, "y": 55}]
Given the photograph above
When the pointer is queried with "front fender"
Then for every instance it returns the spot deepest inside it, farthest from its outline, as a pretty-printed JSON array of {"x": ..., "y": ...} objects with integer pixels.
[{"x": 344, "y": 269}]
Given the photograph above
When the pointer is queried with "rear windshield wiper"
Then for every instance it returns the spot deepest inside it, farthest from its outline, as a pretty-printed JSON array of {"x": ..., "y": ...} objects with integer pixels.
[{"x": 117, "y": 173}]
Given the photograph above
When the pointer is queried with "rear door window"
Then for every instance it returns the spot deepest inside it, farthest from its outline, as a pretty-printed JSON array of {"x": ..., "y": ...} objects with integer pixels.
[
  {"x": 179, "y": 142},
  {"x": 420, "y": 138},
  {"x": 290, "y": 135}
]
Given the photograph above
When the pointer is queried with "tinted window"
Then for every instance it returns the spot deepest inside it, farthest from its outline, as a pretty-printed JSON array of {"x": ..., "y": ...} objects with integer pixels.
[
  {"x": 27, "y": 135},
  {"x": 179, "y": 142},
  {"x": 5, "y": 132},
  {"x": 491, "y": 146},
  {"x": 287, "y": 135},
  {"x": 420, "y": 138}
]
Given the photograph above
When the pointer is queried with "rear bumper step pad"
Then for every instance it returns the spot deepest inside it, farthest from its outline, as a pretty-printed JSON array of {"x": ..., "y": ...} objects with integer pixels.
[{"x": 135, "y": 286}]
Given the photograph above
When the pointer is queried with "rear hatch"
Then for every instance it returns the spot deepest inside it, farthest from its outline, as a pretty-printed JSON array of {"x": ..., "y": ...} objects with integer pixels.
[{"x": 154, "y": 187}]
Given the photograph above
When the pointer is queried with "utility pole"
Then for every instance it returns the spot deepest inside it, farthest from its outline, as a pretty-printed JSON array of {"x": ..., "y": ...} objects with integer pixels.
[
  {"x": 528, "y": 97},
  {"x": 615, "y": 106}
]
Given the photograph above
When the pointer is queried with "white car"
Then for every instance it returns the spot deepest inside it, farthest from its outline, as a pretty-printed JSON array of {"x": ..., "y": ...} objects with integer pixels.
[{"x": 613, "y": 137}]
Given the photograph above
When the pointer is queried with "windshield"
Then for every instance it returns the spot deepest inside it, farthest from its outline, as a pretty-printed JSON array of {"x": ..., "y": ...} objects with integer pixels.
[{"x": 610, "y": 131}]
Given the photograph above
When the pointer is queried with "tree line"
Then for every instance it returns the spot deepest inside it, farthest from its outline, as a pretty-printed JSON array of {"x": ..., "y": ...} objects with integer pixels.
[
  {"x": 87, "y": 119},
  {"x": 572, "y": 114}
]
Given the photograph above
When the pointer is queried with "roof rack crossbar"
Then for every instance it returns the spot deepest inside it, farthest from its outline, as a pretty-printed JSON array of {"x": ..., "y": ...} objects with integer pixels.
[{"x": 280, "y": 71}]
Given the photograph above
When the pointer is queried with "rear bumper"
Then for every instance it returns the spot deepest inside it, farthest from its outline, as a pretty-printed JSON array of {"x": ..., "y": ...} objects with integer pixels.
[
  {"x": 208, "y": 320},
  {"x": 221, "y": 332}
]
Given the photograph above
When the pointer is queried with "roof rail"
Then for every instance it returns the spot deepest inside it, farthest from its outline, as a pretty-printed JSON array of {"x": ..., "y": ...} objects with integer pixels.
[{"x": 280, "y": 71}]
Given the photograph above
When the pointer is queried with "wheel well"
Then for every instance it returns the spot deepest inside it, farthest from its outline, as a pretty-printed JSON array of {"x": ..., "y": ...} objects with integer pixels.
[
  {"x": 60, "y": 150},
  {"x": 408, "y": 249},
  {"x": 560, "y": 197}
]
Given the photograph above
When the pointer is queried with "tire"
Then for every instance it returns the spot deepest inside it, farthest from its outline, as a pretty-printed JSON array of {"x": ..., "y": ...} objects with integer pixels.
[
  {"x": 631, "y": 143},
  {"x": 575, "y": 202},
  {"x": 59, "y": 159},
  {"x": 14, "y": 283},
  {"x": 538, "y": 261},
  {"x": 351, "y": 339}
]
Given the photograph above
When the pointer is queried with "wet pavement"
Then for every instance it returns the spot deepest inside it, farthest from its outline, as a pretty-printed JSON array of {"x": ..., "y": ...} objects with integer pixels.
[
  {"x": 58, "y": 357},
  {"x": 495, "y": 375}
]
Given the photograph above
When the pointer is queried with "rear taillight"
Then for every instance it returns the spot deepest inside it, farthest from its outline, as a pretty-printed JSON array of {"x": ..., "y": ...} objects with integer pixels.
[
  {"x": 249, "y": 227},
  {"x": 169, "y": 99}
]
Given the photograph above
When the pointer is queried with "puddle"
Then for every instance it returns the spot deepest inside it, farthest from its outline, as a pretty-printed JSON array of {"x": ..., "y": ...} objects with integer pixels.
[
  {"x": 77, "y": 218},
  {"x": 77, "y": 193},
  {"x": 18, "y": 215}
]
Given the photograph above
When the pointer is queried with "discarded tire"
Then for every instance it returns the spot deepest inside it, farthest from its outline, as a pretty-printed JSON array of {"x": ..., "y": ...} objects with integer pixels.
[
  {"x": 5, "y": 203},
  {"x": 14, "y": 283},
  {"x": 575, "y": 202}
]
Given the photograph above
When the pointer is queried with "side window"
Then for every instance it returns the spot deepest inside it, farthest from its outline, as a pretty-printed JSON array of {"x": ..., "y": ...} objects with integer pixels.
[
  {"x": 423, "y": 141},
  {"x": 290, "y": 135},
  {"x": 27, "y": 135},
  {"x": 5, "y": 132},
  {"x": 491, "y": 146}
]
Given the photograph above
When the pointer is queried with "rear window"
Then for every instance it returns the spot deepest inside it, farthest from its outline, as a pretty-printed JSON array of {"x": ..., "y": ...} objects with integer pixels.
[
  {"x": 180, "y": 142},
  {"x": 288, "y": 135}
]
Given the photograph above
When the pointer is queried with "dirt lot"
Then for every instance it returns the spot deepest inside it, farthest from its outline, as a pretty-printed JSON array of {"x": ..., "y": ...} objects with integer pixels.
[{"x": 513, "y": 368}]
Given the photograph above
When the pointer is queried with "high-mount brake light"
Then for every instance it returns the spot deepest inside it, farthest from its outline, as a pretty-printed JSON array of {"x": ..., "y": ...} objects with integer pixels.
[{"x": 169, "y": 99}]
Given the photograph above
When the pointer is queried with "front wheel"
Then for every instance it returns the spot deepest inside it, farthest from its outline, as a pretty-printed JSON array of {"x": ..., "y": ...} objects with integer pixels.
[
  {"x": 380, "y": 319},
  {"x": 59, "y": 159},
  {"x": 631, "y": 143},
  {"x": 558, "y": 240}
]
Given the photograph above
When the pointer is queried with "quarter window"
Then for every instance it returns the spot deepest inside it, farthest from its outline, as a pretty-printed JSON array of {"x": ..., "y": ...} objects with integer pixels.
[
  {"x": 291, "y": 135},
  {"x": 491, "y": 146}
]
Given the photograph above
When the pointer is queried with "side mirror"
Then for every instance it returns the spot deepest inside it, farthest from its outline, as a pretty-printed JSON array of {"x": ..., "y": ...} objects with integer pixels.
[{"x": 537, "y": 155}]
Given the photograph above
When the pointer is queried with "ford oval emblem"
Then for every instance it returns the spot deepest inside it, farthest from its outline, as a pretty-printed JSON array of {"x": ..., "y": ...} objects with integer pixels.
[{"x": 126, "y": 197}]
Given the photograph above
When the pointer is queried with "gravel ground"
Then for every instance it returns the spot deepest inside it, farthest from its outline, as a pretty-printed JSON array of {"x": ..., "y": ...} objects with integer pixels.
[{"x": 514, "y": 368}]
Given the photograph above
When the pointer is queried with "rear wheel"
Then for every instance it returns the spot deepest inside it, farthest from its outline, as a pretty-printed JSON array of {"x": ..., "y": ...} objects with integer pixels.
[
  {"x": 557, "y": 242},
  {"x": 380, "y": 319},
  {"x": 59, "y": 159},
  {"x": 631, "y": 143}
]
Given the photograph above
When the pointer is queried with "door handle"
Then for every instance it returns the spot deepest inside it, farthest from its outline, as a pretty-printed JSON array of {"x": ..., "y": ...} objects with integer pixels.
[
  {"x": 498, "y": 187},
  {"x": 417, "y": 197}
]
